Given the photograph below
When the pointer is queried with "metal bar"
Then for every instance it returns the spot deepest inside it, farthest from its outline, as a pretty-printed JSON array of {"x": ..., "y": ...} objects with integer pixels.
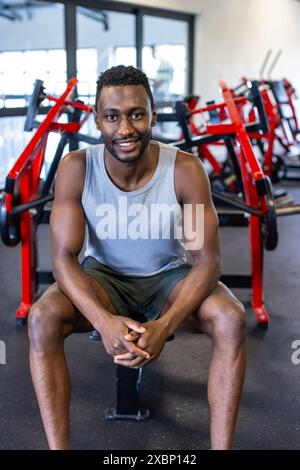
[
  {"x": 211, "y": 107},
  {"x": 25, "y": 5},
  {"x": 181, "y": 110},
  {"x": 102, "y": 5},
  {"x": 257, "y": 263},
  {"x": 200, "y": 140},
  {"x": 9, "y": 11},
  {"x": 274, "y": 63},
  {"x": 16, "y": 112},
  {"x": 50, "y": 177},
  {"x": 70, "y": 39},
  {"x": 61, "y": 127},
  {"x": 264, "y": 64},
  {"x": 27, "y": 250},
  {"x": 45, "y": 219},
  {"x": 74, "y": 104},
  {"x": 139, "y": 39},
  {"x": 94, "y": 15},
  {"x": 54, "y": 165},
  {"x": 288, "y": 210},
  {"x": 166, "y": 117},
  {"x": 293, "y": 166},
  {"x": 232, "y": 218},
  {"x": 163, "y": 13},
  {"x": 235, "y": 164},
  {"x": 237, "y": 280},
  {"x": 220, "y": 129},
  {"x": 128, "y": 385},
  {"x": 43, "y": 277},
  {"x": 123, "y": 7},
  {"x": 30, "y": 205},
  {"x": 233, "y": 202},
  {"x": 7, "y": 16},
  {"x": 190, "y": 55}
]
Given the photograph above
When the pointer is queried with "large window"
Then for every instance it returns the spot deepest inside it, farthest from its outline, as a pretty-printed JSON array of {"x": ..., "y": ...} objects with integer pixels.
[
  {"x": 30, "y": 48},
  {"x": 13, "y": 140},
  {"x": 104, "y": 39},
  {"x": 32, "y": 45},
  {"x": 53, "y": 40},
  {"x": 20, "y": 69},
  {"x": 165, "y": 52}
]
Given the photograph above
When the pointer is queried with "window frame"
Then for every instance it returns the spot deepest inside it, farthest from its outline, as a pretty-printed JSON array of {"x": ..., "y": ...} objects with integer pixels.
[{"x": 121, "y": 7}]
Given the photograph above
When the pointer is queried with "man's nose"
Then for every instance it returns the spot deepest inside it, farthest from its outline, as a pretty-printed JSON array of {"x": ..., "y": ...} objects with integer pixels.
[{"x": 125, "y": 127}]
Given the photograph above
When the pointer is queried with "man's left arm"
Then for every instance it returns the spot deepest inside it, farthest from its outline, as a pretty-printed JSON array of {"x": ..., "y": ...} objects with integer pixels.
[{"x": 194, "y": 189}]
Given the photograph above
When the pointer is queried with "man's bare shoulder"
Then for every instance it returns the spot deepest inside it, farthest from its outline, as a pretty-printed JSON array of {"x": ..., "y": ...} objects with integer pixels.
[
  {"x": 188, "y": 164},
  {"x": 74, "y": 160},
  {"x": 71, "y": 174},
  {"x": 190, "y": 177}
]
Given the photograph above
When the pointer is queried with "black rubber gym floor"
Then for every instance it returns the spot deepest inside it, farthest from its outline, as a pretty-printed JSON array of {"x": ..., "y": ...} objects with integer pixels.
[{"x": 174, "y": 387}]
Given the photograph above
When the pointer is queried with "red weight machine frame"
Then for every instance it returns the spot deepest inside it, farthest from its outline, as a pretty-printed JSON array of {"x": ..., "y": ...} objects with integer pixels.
[
  {"x": 22, "y": 185},
  {"x": 277, "y": 124},
  {"x": 254, "y": 189},
  {"x": 269, "y": 136},
  {"x": 251, "y": 181},
  {"x": 291, "y": 94},
  {"x": 204, "y": 149}
]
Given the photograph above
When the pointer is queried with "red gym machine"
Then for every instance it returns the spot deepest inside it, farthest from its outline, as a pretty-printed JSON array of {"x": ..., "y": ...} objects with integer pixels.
[
  {"x": 255, "y": 206},
  {"x": 24, "y": 202}
]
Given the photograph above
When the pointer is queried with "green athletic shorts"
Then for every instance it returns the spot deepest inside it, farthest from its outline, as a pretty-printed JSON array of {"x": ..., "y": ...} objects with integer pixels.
[{"x": 138, "y": 297}]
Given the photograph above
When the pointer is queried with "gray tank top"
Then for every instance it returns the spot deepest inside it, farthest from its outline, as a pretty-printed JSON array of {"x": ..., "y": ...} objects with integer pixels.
[{"x": 137, "y": 233}]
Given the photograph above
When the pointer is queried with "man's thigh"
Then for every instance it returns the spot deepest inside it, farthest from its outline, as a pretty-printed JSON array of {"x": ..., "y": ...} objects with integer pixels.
[
  {"x": 220, "y": 298},
  {"x": 73, "y": 320}
]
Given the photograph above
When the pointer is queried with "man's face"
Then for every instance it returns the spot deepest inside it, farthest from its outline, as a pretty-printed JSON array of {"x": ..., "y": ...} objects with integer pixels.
[{"x": 124, "y": 117}]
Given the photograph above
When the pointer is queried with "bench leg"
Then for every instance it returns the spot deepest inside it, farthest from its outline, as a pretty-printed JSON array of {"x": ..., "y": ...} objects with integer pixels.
[{"x": 128, "y": 396}]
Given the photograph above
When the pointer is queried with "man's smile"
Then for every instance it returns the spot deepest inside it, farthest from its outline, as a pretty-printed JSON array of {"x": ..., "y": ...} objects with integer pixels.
[{"x": 127, "y": 145}]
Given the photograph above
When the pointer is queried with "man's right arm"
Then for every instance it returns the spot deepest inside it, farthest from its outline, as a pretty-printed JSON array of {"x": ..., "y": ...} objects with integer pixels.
[{"x": 67, "y": 225}]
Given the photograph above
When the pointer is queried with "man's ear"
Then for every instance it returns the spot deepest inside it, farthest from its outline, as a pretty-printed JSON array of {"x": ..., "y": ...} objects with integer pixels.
[
  {"x": 154, "y": 116},
  {"x": 96, "y": 118}
]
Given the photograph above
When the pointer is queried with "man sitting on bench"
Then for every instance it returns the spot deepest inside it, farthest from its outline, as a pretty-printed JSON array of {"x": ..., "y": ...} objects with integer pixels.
[{"x": 151, "y": 259}]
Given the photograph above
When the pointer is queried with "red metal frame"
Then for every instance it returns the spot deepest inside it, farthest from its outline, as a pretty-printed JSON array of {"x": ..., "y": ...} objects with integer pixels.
[
  {"x": 252, "y": 174},
  {"x": 273, "y": 118},
  {"x": 291, "y": 93},
  {"x": 277, "y": 126},
  {"x": 289, "y": 139},
  {"x": 24, "y": 178},
  {"x": 247, "y": 157},
  {"x": 204, "y": 150}
]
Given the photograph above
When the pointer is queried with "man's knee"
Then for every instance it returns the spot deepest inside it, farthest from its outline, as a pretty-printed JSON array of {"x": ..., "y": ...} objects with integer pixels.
[
  {"x": 45, "y": 324},
  {"x": 228, "y": 321}
]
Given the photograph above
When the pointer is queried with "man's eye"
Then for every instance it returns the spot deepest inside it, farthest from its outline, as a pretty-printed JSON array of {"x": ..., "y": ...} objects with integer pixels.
[
  {"x": 111, "y": 117},
  {"x": 136, "y": 116}
]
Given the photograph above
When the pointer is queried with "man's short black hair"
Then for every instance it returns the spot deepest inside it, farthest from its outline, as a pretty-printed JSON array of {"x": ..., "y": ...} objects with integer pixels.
[{"x": 122, "y": 75}]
